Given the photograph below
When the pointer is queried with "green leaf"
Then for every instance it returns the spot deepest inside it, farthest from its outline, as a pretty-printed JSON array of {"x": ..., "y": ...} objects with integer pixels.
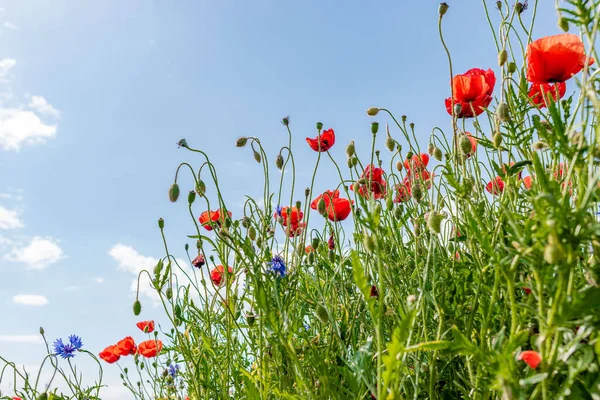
[
  {"x": 429, "y": 346},
  {"x": 533, "y": 379}
]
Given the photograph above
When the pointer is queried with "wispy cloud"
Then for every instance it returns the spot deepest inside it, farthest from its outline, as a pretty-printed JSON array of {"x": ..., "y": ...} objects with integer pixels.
[
  {"x": 19, "y": 127},
  {"x": 21, "y": 338},
  {"x": 11, "y": 26},
  {"x": 6, "y": 64},
  {"x": 35, "y": 300},
  {"x": 10, "y": 219},
  {"x": 41, "y": 105},
  {"x": 99, "y": 280},
  {"x": 38, "y": 254}
]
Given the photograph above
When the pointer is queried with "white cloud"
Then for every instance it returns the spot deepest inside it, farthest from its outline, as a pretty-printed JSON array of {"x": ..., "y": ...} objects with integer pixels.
[
  {"x": 99, "y": 280},
  {"x": 30, "y": 300},
  {"x": 38, "y": 254},
  {"x": 6, "y": 64},
  {"x": 12, "y": 194},
  {"x": 21, "y": 338},
  {"x": 18, "y": 127},
  {"x": 11, "y": 26},
  {"x": 41, "y": 105},
  {"x": 9, "y": 219}
]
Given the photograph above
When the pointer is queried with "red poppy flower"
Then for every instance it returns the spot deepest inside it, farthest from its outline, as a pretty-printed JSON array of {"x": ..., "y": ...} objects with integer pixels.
[
  {"x": 325, "y": 140},
  {"x": 208, "y": 218},
  {"x": 291, "y": 215},
  {"x": 216, "y": 275},
  {"x": 526, "y": 290},
  {"x": 146, "y": 326},
  {"x": 473, "y": 91},
  {"x": 331, "y": 243},
  {"x": 495, "y": 186},
  {"x": 417, "y": 176},
  {"x": 199, "y": 261},
  {"x": 375, "y": 175},
  {"x": 125, "y": 347},
  {"x": 555, "y": 58},
  {"x": 295, "y": 229},
  {"x": 374, "y": 291},
  {"x": 309, "y": 249},
  {"x": 531, "y": 358},
  {"x": 327, "y": 197},
  {"x": 417, "y": 161},
  {"x": 541, "y": 93},
  {"x": 403, "y": 193},
  {"x": 150, "y": 348},
  {"x": 337, "y": 208},
  {"x": 16, "y": 398},
  {"x": 527, "y": 182},
  {"x": 560, "y": 171},
  {"x": 109, "y": 355}
]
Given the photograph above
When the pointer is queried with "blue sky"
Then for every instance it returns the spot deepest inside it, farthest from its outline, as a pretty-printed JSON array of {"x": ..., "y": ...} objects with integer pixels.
[{"x": 94, "y": 96}]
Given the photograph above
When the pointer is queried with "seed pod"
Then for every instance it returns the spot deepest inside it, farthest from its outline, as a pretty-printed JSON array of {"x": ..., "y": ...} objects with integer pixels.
[
  {"x": 457, "y": 109},
  {"x": 465, "y": 144},
  {"x": 430, "y": 149},
  {"x": 502, "y": 57},
  {"x": 161, "y": 223},
  {"x": 279, "y": 161},
  {"x": 191, "y": 197},
  {"x": 321, "y": 206},
  {"x": 437, "y": 154},
  {"x": 350, "y": 149},
  {"x": 372, "y": 111},
  {"x": 241, "y": 141},
  {"x": 319, "y": 125},
  {"x": 174, "y": 192},
  {"x": 315, "y": 242},
  {"x": 250, "y": 318},
  {"x": 307, "y": 192},
  {"x": 374, "y": 127},
  {"x": 499, "y": 5},
  {"x": 201, "y": 188},
  {"x": 257, "y": 156},
  {"x": 390, "y": 143},
  {"x": 443, "y": 8},
  {"x": 137, "y": 308},
  {"x": 321, "y": 312}
]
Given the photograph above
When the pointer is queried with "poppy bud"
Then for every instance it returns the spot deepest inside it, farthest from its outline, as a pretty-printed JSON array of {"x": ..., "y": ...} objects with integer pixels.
[
  {"x": 319, "y": 125},
  {"x": 311, "y": 257},
  {"x": 252, "y": 233},
  {"x": 539, "y": 145},
  {"x": 389, "y": 203},
  {"x": 503, "y": 112},
  {"x": 158, "y": 268},
  {"x": 350, "y": 149},
  {"x": 169, "y": 293},
  {"x": 286, "y": 121},
  {"x": 137, "y": 308},
  {"x": 250, "y": 318},
  {"x": 321, "y": 206},
  {"x": 399, "y": 165},
  {"x": 350, "y": 162},
  {"x": 497, "y": 139},
  {"x": 512, "y": 67},
  {"x": 257, "y": 156},
  {"x": 457, "y": 109},
  {"x": 437, "y": 154},
  {"x": 298, "y": 204},
  {"x": 434, "y": 221},
  {"x": 369, "y": 242},
  {"x": 374, "y": 127},
  {"x": 201, "y": 188},
  {"x": 191, "y": 197},
  {"x": 465, "y": 144},
  {"x": 502, "y": 57},
  {"x": 174, "y": 192},
  {"x": 321, "y": 312},
  {"x": 417, "y": 193},
  {"x": 372, "y": 111},
  {"x": 563, "y": 24},
  {"x": 241, "y": 141},
  {"x": 430, "y": 148},
  {"x": 161, "y": 223},
  {"x": 331, "y": 256},
  {"x": 443, "y": 8},
  {"x": 398, "y": 212},
  {"x": 279, "y": 161},
  {"x": 199, "y": 261},
  {"x": 315, "y": 243},
  {"x": 390, "y": 143},
  {"x": 409, "y": 155},
  {"x": 42, "y": 331},
  {"x": 331, "y": 243},
  {"x": 182, "y": 143}
]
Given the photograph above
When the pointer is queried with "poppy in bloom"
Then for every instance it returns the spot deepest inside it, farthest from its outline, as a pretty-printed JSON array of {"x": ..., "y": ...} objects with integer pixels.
[
  {"x": 415, "y": 161},
  {"x": 540, "y": 93},
  {"x": 199, "y": 261},
  {"x": 109, "y": 355},
  {"x": 555, "y": 58},
  {"x": 337, "y": 208},
  {"x": 16, "y": 398},
  {"x": 531, "y": 358},
  {"x": 472, "y": 91},
  {"x": 146, "y": 326},
  {"x": 495, "y": 186},
  {"x": 416, "y": 176},
  {"x": 327, "y": 197},
  {"x": 375, "y": 176},
  {"x": 289, "y": 215},
  {"x": 527, "y": 182},
  {"x": 150, "y": 348},
  {"x": 325, "y": 140},
  {"x": 374, "y": 291},
  {"x": 208, "y": 218},
  {"x": 403, "y": 193},
  {"x": 216, "y": 275},
  {"x": 125, "y": 347},
  {"x": 67, "y": 350}
]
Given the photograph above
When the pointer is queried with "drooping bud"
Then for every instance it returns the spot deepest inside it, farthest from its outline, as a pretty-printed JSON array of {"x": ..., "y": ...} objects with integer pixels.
[
  {"x": 42, "y": 331},
  {"x": 199, "y": 261},
  {"x": 241, "y": 141},
  {"x": 503, "y": 112},
  {"x": 539, "y": 145},
  {"x": 252, "y": 233},
  {"x": 497, "y": 139},
  {"x": 191, "y": 197},
  {"x": 417, "y": 192},
  {"x": 374, "y": 127},
  {"x": 465, "y": 144},
  {"x": 161, "y": 223},
  {"x": 350, "y": 149},
  {"x": 321, "y": 312},
  {"x": 434, "y": 221},
  {"x": 372, "y": 111},
  {"x": 390, "y": 143},
  {"x": 350, "y": 162},
  {"x": 457, "y": 109},
  {"x": 169, "y": 293},
  {"x": 437, "y": 154},
  {"x": 399, "y": 165},
  {"x": 502, "y": 57},
  {"x": 246, "y": 223},
  {"x": 563, "y": 24},
  {"x": 321, "y": 206},
  {"x": 279, "y": 161},
  {"x": 257, "y": 156},
  {"x": 201, "y": 188},
  {"x": 512, "y": 67},
  {"x": 443, "y": 8},
  {"x": 398, "y": 212},
  {"x": 369, "y": 242},
  {"x": 315, "y": 243},
  {"x": 374, "y": 291},
  {"x": 319, "y": 125},
  {"x": 430, "y": 148},
  {"x": 137, "y": 308},
  {"x": 174, "y": 192}
]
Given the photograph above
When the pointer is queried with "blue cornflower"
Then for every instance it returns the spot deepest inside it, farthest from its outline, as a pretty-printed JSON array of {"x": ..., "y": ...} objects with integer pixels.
[
  {"x": 173, "y": 370},
  {"x": 67, "y": 350},
  {"x": 278, "y": 209},
  {"x": 277, "y": 266}
]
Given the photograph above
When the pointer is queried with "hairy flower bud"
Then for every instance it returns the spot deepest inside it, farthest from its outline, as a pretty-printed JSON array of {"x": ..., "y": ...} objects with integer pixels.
[
  {"x": 201, "y": 188},
  {"x": 169, "y": 293},
  {"x": 191, "y": 197},
  {"x": 174, "y": 192},
  {"x": 553, "y": 252},
  {"x": 372, "y": 111},
  {"x": 279, "y": 161},
  {"x": 350, "y": 149},
  {"x": 369, "y": 242},
  {"x": 285, "y": 121},
  {"x": 465, "y": 144},
  {"x": 512, "y": 67},
  {"x": 398, "y": 212},
  {"x": 503, "y": 112},
  {"x": 399, "y": 166},
  {"x": 137, "y": 308},
  {"x": 497, "y": 139},
  {"x": 390, "y": 143},
  {"x": 417, "y": 193},
  {"x": 257, "y": 156},
  {"x": 443, "y": 8},
  {"x": 430, "y": 148},
  {"x": 437, "y": 154},
  {"x": 241, "y": 141},
  {"x": 563, "y": 24},
  {"x": 457, "y": 109},
  {"x": 321, "y": 206},
  {"x": 252, "y": 233},
  {"x": 42, "y": 331},
  {"x": 250, "y": 318},
  {"x": 434, "y": 221},
  {"x": 502, "y": 57},
  {"x": 321, "y": 312}
]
